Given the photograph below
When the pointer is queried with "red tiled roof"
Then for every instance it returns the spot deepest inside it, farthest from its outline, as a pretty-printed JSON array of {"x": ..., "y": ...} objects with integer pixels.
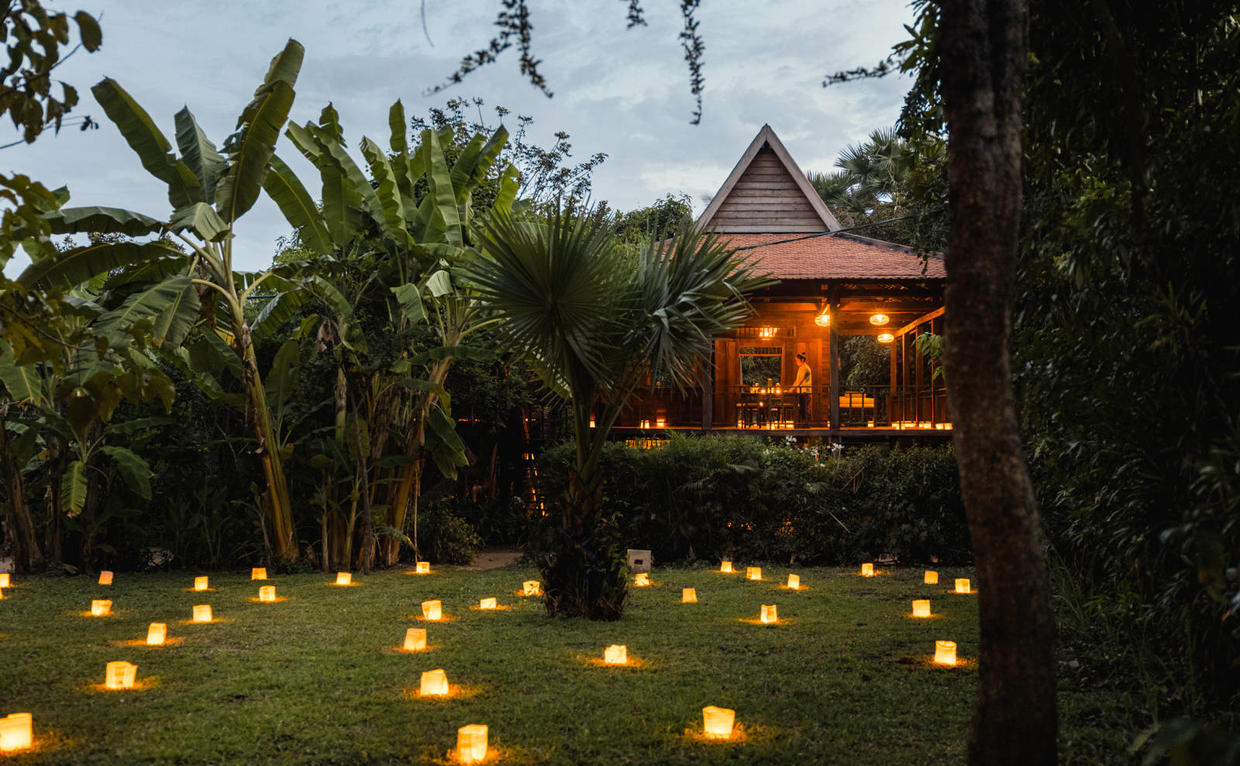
[{"x": 839, "y": 256}]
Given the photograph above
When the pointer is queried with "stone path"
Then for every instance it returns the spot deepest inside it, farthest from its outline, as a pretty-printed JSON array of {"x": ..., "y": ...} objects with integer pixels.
[{"x": 493, "y": 558}]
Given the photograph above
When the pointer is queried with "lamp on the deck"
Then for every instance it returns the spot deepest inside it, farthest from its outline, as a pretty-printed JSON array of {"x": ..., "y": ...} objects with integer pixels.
[
  {"x": 717, "y": 722},
  {"x": 879, "y": 319},
  {"x": 885, "y": 337},
  {"x": 823, "y": 319}
]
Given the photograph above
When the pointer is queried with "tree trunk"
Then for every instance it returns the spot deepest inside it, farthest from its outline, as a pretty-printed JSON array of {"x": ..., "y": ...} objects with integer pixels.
[
  {"x": 26, "y": 553},
  {"x": 983, "y": 47}
]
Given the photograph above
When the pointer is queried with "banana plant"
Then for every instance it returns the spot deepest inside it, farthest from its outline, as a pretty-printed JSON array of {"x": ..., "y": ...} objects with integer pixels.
[
  {"x": 412, "y": 217},
  {"x": 191, "y": 266}
]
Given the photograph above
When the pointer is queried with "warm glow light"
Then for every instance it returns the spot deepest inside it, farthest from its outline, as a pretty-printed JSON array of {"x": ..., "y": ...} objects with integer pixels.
[
  {"x": 962, "y": 585},
  {"x": 823, "y": 319},
  {"x": 531, "y": 588},
  {"x": 717, "y": 722},
  {"x": 5, "y": 580},
  {"x": 100, "y": 607},
  {"x": 945, "y": 653},
  {"x": 932, "y": 577},
  {"x": 471, "y": 743},
  {"x": 105, "y": 577},
  {"x": 616, "y": 654},
  {"x": 202, "y": 613},
  {"x": 768, "y": 332},
  {"x": 794, "y": 581},
  {"x": 885, "y": 337},
  {"x": 725, "y": 566},
  {"x": 434, "y": 683},
  {"x": 16, "y": 732},
  {"x": 879, "y": 319},
  {"x": 267, "y": 593},
  {"x": 487, "y": 603},
  {"x": 769, "y": 614},
  {"x": 422, "y": 567},
  {"x": 156, "y": 634},
  {"x": 921, "y": 607},
  {"x": 258, "y": 573},
  {"x": 120, "y": 675},
  {"x": 642, "y": 579},
  {"x": 415, "y": 640},
  {"x": 432, "y": 610},
  {"x": 688, "y": 596},
  {"x": 867, "y": 570},
  {"x": 660, "y": 422},
  {"x": 201, "y": 583},
  {"x": 753, "y": 573},
  {"x": 344, "y": 578}
]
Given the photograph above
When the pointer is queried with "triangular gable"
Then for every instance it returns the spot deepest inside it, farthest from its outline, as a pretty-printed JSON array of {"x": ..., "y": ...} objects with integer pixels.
[{"x": 767, "y": 193}]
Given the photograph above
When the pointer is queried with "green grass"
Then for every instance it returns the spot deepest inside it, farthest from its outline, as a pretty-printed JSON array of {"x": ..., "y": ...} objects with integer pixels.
[{"x": 844, "y": 676}]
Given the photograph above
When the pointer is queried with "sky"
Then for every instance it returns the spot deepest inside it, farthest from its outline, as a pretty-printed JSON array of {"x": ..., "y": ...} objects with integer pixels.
[{"x": 620, "y": 91}]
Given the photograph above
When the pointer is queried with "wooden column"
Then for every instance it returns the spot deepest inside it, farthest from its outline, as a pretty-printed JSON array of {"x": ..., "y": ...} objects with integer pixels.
[
  {"x": 833, "y": 359},
  {"x": 895, "y": 381},
  {"x": 920, "y": 372},
  {"x": 708, "y": 393}
]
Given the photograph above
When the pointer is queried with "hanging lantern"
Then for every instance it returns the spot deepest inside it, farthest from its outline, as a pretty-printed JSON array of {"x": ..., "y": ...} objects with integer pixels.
[
  {"x": 962, "y": 585},
  {"x": 931, "y": 578},
  {"x": 471, "y": 743},
  {"x": 156, "y": 633},
  {"x": 867, "y": 569},
  {"x": 688, "y": 596},
  {"x": 434, "y": 683},
  {"x": 879, "y": 319},
  {"x": 201, "y": 583},
  {"x": 717, "y": 722},
  {"x": 921, "y": 607},
  {"x": 267, "y": 593},
  {"x": 422, "y": 567},
  {"x": 16, "y": 732},
  {"x": 945, "y": 653},
  {"x": 885, "y": 337},
  {"x": 531, "y": 588},
  {"x": 616, "y": 654},
  {"x": 202, "y": 613},
  {"x": 823, "y": 319},
  {"x": 258, "y": 573},
  {"x": 120, "y": 675},
  {"x": 105, "y": 577},
  {"x": 415, "y": 640},
  {"x": 642, "y": 579},
  {"x": 487, "y": 603},
  {"x": 725, "y": 566},
  {"x": 5, "y": 580},
  {"x": 753, "y": 573},
  {"x": 344, "y": 578},
  {"x": 432, "y": 610},
  {"x": 100, "y": 608},
  {"x": 794, "y": 582},
  {"x": 768, "y": 615}
]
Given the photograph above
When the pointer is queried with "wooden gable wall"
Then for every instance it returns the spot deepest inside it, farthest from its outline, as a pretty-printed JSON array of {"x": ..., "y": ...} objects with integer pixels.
[{"x": 766, "y": 198}]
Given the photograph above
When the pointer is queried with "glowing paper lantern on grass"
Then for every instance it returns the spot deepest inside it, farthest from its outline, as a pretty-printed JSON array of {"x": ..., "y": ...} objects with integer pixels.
[
  {"x": 105, "y": 577},
  {"x": 794, "y": 582},
  {"x": 962, "y": 585},
  {"x": 100, "y": 607},
  {"x": 344, "y": 578},
  {"x": 487, "y": 603},
  {"x": 717, "y": 722},
  {"x": 415, "y": 640},
  {"x": 688, "y": 596},
  {"x": 616, "y": 654},
  {"x": 945, "y": 653},
  {"x": 201, "y": 583},
  {"x": 202, "y": 613},
  {"x": 867, "y": 569},
  {"x": 422, "y": 567},
  {"x": 753, "y": 573},
  {"x": 931, "y": 578},
  {"x": 16, "y": 732},
  {"x": 921, "y": 607},
  {"x": 258, "y": 573},
  {"x": 120, "y": 675},
  {"x": 432, "y": 610},
  {"x": 5, "y": 580},
  {"x": 434, "y": 683},
  {"x": 725, "y": 566},
  {"x": 267, "y": 593},
  {"x": 531, "y": 588},
  {"x": 471, "y": 743},
  {"x": 156, "y": 634},
  {"x": 769, "y": 614},
  {"x": 641, "y": 579}
]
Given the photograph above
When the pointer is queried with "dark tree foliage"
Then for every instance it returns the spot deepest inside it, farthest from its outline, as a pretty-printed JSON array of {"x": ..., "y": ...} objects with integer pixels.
[{"x": 655, "y": 222}]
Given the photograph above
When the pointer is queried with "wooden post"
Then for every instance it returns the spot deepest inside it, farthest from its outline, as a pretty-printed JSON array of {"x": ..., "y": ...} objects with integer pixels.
[
  {"x": 920, "y": 372},
  {"x": 708, "y": 393},
  {"x": 895, "y": 380},
  {"x": 833, "y": 358}
]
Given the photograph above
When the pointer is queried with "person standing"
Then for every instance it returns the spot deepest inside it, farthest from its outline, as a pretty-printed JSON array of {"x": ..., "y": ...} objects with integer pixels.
[{"x": 803, "y": 386}]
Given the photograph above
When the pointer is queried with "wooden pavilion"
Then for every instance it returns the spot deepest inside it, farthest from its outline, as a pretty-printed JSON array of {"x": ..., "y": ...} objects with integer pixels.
[{"x": 832, "y": 283}]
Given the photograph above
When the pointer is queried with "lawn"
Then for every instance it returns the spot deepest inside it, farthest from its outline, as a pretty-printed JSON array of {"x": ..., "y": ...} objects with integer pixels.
[{"x": 844, "y": 676}]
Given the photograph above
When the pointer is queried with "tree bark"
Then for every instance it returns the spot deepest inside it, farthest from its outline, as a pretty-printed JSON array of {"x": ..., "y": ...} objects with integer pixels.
[
  {"x": 27, "y": 555},
  {"x": 983, "y": 48}
]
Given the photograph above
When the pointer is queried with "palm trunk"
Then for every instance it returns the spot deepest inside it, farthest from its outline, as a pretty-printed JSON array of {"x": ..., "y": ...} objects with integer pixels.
[{"x": 26, "y": 553}]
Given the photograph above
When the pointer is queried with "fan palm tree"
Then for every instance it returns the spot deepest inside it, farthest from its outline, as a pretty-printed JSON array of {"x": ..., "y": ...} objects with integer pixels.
[{"x": 593, "y": 319}]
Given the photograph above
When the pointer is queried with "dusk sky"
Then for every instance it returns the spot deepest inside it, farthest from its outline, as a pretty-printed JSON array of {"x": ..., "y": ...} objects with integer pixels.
[{"x": 622, "y": 92}]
